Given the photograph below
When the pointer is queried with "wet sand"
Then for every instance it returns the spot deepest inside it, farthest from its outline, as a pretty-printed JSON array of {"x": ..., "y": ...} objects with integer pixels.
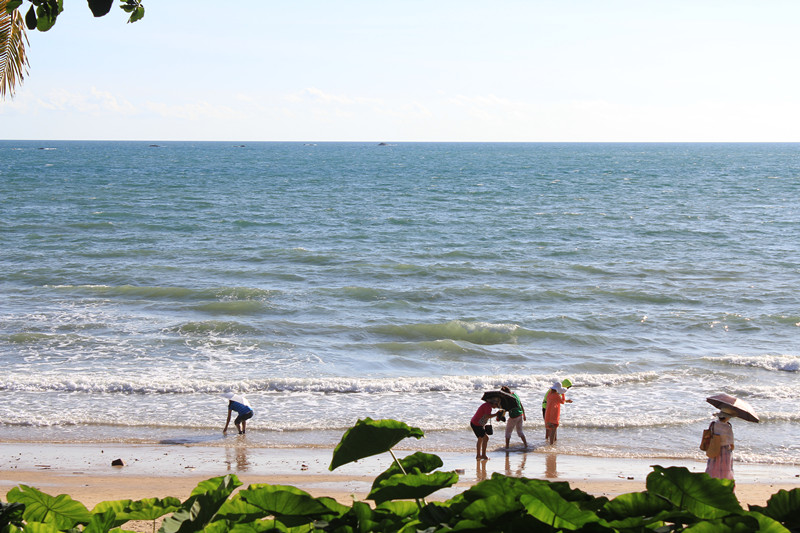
[{"x": 84, "y": 471}]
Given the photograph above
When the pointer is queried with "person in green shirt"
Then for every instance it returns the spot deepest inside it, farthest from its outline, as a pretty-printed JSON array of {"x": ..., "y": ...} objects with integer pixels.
[{"x": 516, "y": 415}]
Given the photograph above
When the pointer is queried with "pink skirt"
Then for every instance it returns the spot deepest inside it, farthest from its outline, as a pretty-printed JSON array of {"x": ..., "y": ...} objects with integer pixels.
[{"x": 721, "y": 466}]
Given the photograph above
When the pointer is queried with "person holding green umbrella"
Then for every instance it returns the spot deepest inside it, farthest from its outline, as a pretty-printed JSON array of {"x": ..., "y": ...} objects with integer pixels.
[{"x": 566, "y": 383}]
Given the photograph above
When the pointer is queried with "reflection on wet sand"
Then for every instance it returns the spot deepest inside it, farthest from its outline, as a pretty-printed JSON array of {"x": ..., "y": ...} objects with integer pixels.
[
  {"x": 525, "y": 464},
  {"x": 480, "y": 470},
  {"x": 237, "y": 455},
  {"x": 550, "y": 468},
  {"x": 520, "y": 471}
]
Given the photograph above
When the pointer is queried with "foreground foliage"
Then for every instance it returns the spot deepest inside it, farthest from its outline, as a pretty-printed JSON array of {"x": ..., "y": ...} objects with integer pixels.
[
  {"x": 675, "y": 500},
  {"x": 41, "y": 15}
]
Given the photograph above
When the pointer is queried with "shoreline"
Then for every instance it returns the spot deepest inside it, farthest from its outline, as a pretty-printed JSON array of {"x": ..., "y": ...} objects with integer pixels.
[{"x": 84, "y": 471}]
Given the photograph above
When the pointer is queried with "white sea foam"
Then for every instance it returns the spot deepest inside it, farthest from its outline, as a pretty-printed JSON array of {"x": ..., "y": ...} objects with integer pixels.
[
  {"x": 174, "y": 385},
  {"x": 783, "y": 363},
  {"x": 345, "y": 282}
]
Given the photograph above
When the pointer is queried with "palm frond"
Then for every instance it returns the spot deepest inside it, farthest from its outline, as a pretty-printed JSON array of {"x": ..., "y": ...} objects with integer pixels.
[{"x": 13, "y": 41}]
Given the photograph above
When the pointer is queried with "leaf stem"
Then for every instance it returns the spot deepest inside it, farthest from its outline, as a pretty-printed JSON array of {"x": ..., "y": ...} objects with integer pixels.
[{"x": 420, "y": 501}]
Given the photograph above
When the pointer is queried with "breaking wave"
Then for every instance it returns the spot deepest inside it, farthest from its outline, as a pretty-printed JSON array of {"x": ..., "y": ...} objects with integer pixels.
[
  {"x": 780, "y": 363},
  {"x": 330, "y": 385}
]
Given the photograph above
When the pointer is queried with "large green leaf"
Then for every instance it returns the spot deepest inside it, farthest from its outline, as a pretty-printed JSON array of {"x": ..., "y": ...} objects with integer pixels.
[
  {"x": 388, "y": 519},
  {"x": 729, "y": 524},
  {"x": 101, "y": 522},
  {"x": 547, "y": 506},
  {"x": 492, "y": 498},
  {"x": 642, "y": 504},
  {"x": 150, "y": 508},
  {"x": 283, "y": 500},
  {"x": 61, "y": 511},
  {"x": 770, "y": 525},
  {"x": 635, "y": 523},
  {"x": 411, "y": 486},
  {"x": 202, "y": 506},
  {"x": 401, "y": 509},
  {"x": 264, "y": 526},
  {"x": 218, "y": 526},
  {"x": 364, "y": 519},
  {"x": 783, "y": 506},
  {"x": 146, "y": 509},
  {"x": 336, "y": 508},
  {"x": 118, "y": 506},
  {"x": 216, "y": 484},
  {"x": 435, "y": 513},
  {"x": 39, "y": 527},
  {"x": 11, "y": 513},
  {"x": 258, "y": 526},
  {"x": 370, "y": 437},
  {"x": 582, "y": 499},
  {"x": 699, "y": 494},
  {"x": 237, "y": 510},
  {"x": 635, "y": 510},
  {"x": 470, "y": 526},
  {"x": 419, "y": 462}
]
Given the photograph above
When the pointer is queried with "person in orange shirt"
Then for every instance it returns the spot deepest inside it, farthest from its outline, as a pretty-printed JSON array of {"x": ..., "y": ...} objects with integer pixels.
[
  {"x": 566, "y": 383},
  {"x": 552, "y": 415}
]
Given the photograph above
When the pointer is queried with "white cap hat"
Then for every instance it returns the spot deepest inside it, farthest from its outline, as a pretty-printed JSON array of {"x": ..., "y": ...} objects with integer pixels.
[{"x": 556, "y": 386}]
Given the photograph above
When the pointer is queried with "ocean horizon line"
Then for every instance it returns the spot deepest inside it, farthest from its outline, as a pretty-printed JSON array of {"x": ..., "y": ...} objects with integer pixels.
[{"x": 392, "y": 142}]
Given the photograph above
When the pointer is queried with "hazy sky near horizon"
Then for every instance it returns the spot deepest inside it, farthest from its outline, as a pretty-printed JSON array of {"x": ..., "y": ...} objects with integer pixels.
[{"x": 522, "y": 70}]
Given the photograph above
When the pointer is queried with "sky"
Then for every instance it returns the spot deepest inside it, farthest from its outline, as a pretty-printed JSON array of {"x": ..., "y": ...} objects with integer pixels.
[{"x": 390, "y": 71}]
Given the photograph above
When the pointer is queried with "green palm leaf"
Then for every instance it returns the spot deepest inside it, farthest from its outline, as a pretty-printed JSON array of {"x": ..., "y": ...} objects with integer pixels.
[{"x": 13, "y": 41}]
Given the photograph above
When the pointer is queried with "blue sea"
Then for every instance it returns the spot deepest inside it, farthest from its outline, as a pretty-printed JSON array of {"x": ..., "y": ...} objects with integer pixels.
[{"x": 336, "y": 281}]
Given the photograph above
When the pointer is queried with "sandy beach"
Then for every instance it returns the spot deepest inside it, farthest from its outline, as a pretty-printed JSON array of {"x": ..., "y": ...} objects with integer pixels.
[{"x": 84, "y": 471}]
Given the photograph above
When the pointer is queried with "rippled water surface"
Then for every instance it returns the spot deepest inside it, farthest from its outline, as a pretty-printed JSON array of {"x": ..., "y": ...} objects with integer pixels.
[{"x": 331, "y": 282}]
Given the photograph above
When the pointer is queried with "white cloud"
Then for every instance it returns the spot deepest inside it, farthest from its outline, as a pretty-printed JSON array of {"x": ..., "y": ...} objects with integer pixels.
[
  {"x": 107, "y": 102},
  {"x": 196, "y": 111},
  {"x": 92, "y": 102},
  {"x": 313, "y": 95}
]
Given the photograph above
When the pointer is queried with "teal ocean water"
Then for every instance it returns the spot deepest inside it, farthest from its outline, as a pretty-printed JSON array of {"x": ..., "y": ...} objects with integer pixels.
[{"x": 335, "y": 281}]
